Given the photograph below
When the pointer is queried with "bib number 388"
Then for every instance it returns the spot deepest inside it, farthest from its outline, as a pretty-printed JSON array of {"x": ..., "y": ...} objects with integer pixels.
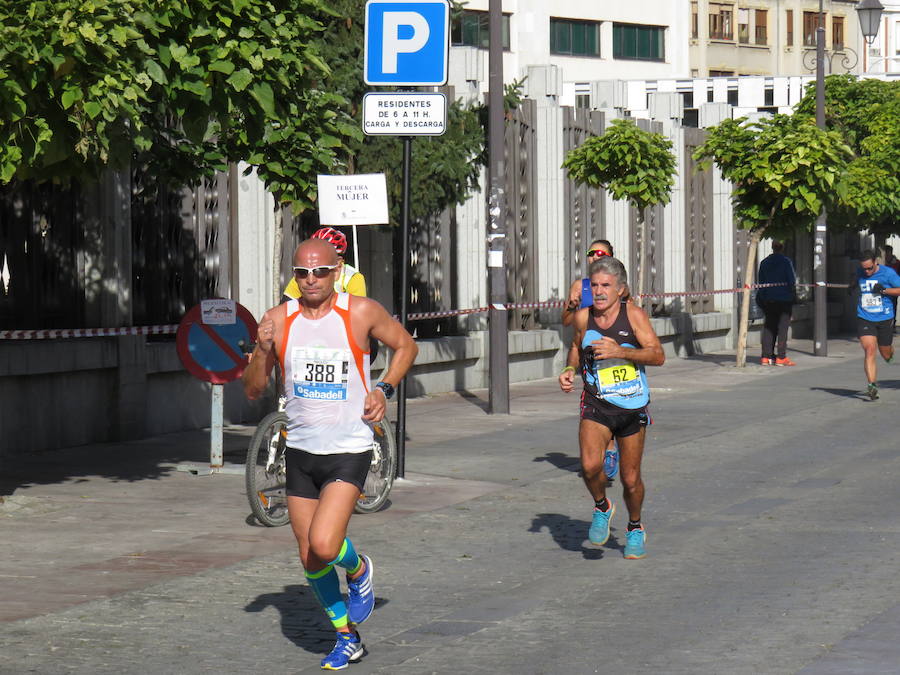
[{"x": 320, "y": 373}]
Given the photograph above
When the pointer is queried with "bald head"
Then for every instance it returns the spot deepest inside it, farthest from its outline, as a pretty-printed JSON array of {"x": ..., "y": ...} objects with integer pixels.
[{"x": 315, "y": 253}]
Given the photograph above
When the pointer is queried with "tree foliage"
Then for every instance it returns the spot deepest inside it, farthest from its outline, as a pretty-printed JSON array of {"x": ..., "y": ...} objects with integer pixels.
[
  {"x": 784, "y": 170},
  {"x": 867, "y": 113},
  {"x": 627, "y": 161},
  {"x": 181, "y": 86}
]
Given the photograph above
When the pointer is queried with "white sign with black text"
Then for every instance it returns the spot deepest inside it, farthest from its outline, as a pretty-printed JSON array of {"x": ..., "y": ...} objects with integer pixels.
[
  {"x": 404, "y": 114},
  {"x": 359, "y": 199}
]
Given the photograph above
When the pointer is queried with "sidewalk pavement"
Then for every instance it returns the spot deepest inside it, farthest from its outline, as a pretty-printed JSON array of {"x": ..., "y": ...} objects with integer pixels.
[{"x": 109, "y": 550}]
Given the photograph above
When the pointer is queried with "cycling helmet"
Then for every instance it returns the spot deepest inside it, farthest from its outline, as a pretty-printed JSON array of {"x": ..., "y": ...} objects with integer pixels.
[{"x": 333, "y": 237}]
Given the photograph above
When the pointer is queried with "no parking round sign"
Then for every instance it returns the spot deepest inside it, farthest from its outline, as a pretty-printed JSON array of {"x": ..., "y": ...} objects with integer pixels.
[{"x": 210, "y": 339}]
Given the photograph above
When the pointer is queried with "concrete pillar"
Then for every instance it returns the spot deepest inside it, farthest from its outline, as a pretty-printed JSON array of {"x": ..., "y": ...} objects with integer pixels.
[
  {"x": 471, "y": 233},
  {"x": 544, "y": 85},
  {"x": 255, "y": 241}
]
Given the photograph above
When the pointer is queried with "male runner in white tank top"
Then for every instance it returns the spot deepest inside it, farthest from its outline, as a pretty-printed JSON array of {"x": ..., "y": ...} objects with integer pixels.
[{"x": 319, "y": 341}]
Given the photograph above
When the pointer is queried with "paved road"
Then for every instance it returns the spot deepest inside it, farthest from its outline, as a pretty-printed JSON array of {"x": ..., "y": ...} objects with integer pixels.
[{"x": 772, "y": 510}]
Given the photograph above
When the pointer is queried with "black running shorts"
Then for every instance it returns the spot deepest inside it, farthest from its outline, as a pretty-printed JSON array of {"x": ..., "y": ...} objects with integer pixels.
[
  {"x": 621, "y": 425},
  {"x": 882, "y": 330},
  {"x": 307, "y": 474}
]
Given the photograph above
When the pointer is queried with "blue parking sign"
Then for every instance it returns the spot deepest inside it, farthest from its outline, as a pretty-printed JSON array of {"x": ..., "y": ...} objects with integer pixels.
[{"x": 407, "y": 42}]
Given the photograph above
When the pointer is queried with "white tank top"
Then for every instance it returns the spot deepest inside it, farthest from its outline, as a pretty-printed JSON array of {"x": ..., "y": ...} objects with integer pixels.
[{"x": 326, "y": 379}]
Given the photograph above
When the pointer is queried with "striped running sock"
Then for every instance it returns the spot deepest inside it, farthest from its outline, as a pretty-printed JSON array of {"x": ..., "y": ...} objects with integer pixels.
[{"x": 327, "y": 587}]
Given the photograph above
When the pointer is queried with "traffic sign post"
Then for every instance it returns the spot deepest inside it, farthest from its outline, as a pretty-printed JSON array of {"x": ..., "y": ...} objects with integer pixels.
[
  {"x": 407, "y": 45},
  {"x": 209, "y": 342}
]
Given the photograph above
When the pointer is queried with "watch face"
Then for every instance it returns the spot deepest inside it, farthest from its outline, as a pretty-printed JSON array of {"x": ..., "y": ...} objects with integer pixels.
[{"x": 386, "y": 388}]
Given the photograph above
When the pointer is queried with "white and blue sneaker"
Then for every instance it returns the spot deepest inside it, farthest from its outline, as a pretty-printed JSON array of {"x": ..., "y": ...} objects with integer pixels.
[
  {"x": 348, "y": 649},
  {"x": 599, "y": 532},
  {"x": 611, "y": 462},
  {"x": 634, "y": 543},
  {"x": 361, "y": 594}
]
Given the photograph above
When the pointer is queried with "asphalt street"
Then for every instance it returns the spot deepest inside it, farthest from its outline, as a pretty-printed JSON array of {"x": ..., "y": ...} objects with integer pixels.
[{"x": 772, "y": 511}]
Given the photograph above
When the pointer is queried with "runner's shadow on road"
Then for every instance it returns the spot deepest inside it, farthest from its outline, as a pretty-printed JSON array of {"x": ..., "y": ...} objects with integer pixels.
[
  {"x": 857, "y": 393},
  {"x": 560, "y": 460},
  {"x": 837, "y": 391},
  {"x": 303, "y": 621},
  {"x": 571, "y": 534}
]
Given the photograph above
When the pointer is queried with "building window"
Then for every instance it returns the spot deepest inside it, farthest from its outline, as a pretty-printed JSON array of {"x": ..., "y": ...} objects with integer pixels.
[
  {"x": 762, "y": 27},
  {"x": 790, "y": 27},
  {"x": 837, "y": 33},
  {"x": 810, "y": 24},
  {"x": 720, "y": 18},
  {"x": 721, "y": 73},
  {"x": 744, "y": 26},
  {"x": 575, "y": 38},
  {"x": 634, "y": 41},
  {"x": 472, "y": 29},
  {"x": 695, "y": 22},
  {"x": 582, "y": 100}
]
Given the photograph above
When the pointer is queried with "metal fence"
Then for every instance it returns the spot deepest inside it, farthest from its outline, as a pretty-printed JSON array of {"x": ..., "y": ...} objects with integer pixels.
[
  {"x": 40, "y": 251},
  {"x": 698, "y": 223},
  {"x": 521, "y": 240},
  {"x": 181, "y": 246}
]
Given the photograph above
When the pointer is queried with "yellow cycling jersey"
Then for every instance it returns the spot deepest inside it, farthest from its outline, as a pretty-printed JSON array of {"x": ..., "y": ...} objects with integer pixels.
[{"x": 349, "y": 281}]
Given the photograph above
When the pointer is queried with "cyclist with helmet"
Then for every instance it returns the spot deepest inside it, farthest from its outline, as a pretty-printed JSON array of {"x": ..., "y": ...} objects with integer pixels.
[{"x": 349, "y": 280}]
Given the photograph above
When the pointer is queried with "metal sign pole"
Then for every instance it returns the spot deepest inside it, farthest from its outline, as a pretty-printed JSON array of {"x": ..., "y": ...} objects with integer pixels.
[
  {"x": 215, "y": 426},
  {"x": 404, "y": 293},
  {"x": 498, "y": 359},
  {"x": 820, "y": 238}
]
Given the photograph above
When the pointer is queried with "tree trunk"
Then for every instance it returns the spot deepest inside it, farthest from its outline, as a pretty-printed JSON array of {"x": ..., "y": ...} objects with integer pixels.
[
  {"x": 279, "y": 246},
  {"x": 642, "y": 249},
  {"x": 743, "y": 325}
]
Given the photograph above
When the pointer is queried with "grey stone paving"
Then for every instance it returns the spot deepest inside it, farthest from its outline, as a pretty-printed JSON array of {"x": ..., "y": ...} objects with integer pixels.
[{"x": 772, "y": 511}]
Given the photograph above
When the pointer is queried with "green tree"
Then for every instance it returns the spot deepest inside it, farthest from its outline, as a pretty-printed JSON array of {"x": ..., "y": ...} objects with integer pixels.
[
  {"x": 630, "y": 163},
  {"x": 785, "y": 170},
  {"x": 867, "y": 113},
  {"x": 182, "y": 87}
]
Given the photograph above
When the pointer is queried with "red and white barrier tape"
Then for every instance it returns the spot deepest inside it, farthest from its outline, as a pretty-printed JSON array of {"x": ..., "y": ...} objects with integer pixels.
[{"x": 50, "y": 334}]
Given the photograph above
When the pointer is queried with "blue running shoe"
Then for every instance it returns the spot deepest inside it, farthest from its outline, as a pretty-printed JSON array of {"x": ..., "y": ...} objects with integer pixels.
[
  {"x": 634, "y": 543},
  {"x": 611, "y": 462},
  {"x": 348, "y": 649},
  {"x": 599, "y": 532},
  {"x": 361, "y": 594}
]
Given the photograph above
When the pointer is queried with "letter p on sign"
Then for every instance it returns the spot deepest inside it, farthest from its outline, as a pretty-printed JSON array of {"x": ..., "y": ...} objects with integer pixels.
[{"x": 407, "y": 42}]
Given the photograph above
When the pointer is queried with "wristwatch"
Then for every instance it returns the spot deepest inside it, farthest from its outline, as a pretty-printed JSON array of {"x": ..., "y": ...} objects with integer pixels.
[{"x": 387, "y": 390}]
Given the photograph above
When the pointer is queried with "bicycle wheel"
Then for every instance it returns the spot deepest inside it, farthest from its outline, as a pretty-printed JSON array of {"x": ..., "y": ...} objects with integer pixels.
[
  {"x": 381, "y": 472},
  {"x": 264, "y": 472}
]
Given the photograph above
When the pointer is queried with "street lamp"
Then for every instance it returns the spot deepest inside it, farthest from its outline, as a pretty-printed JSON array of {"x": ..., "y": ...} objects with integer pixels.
[{"x": 869, "y": 12}]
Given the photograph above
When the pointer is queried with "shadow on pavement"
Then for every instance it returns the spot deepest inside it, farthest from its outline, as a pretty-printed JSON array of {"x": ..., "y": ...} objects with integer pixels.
[
  {"x": 302, "y": 620},
  {"x": 570, "y": 534},
  {"x": 561, "y": 461},
  {"x": 857, "y": 393},
  {"x": 149, "y": 459},
  {"x": 846, "y": 393}
]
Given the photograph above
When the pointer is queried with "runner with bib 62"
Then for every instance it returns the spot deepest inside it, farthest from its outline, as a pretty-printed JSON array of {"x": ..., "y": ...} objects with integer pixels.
[{"x": 612, "y": 343}]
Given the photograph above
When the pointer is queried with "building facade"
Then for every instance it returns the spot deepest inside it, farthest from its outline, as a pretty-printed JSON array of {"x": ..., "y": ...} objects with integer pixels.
[
  {"x": 772, "y": 37},
  {"x": 584, "y": 41}
]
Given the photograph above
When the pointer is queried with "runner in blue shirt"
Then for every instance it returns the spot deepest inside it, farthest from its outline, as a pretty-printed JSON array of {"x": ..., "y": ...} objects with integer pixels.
[{"x": 875, "y": 313}]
